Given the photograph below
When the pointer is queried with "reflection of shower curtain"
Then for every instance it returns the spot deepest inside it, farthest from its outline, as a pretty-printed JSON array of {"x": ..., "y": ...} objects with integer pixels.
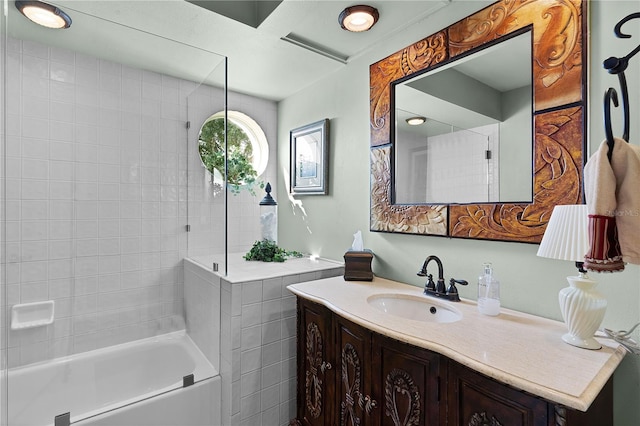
[{"x": 458, "y": 170}]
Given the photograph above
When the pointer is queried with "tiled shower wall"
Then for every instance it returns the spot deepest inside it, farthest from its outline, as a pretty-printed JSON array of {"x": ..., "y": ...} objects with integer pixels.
[{"x": 96, "y": 209}]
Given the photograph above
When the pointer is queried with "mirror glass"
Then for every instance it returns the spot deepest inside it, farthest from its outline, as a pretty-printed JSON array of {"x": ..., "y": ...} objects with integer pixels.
[{"x": 476, "y": 145}]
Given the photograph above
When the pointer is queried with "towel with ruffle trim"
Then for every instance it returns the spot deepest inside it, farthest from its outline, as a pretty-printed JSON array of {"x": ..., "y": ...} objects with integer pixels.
[{"x": 612, "y": 190}]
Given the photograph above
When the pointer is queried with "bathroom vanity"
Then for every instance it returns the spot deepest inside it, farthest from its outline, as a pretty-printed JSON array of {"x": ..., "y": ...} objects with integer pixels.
[{"x": 359, "y": 365}]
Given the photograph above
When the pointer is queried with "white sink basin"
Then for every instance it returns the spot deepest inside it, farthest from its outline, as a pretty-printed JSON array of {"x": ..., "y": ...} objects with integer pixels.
[{"x": 417, "y": 308}]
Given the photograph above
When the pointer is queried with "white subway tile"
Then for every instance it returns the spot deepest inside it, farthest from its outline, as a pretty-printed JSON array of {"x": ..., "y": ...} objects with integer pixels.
[
  {"x": 251, "y": 315},
  {"x": 108, "y": 209},
  {"x": 85, "y": 304},
  {"x": 251, "y": 337},
  {"x": 60, "y": 249},
  {"x": 61, "y": 170},
  {"x": 85, "y": 323},
  {"x": 35, "y": 86},
  {"x": 251, "y": 292},
  {"x": 130, "y": 262},
  {"x": 34, "y": 66},
  {"x": 60, "y": 268},
  {"x": 59, "y": 150},
  {"x": 250, "y": 383},
  {"x": 288, "y": 327},
  {"x": 35, "y": 189},
  {"x": 108, "y": 228},
  {"x": 108, "y": 173},
  {"x": 86, "y": 266},
  {"x": 250, "y": 360},
  {"x": 107, "y": 134},
  {"x": 108, "y": 246},
  {"x": 108, "y": 155},
  {"x": 34, "y": 292},
  {"x": 33, "y": 271},
  {"x": 271, "y": 310},
  {"x": 270, "y": 397},
  {"x": 35, "y": 107},
  {"x": 109, "y": 283},
  {"x": 61, "y": 55},
  {"x": 33, "y": 230},
  {"x": 86, "y": 210},
  {"x": 108, "y": 100},
  {"x": 87, "y": 77},
  {"x": 86, "y": 134},
  {"x": 35, "y": 148},
  {"x": 86, "y": 191},
  {"x": 108, "y": 264},
  {"x": 59, "y": 288},
  {"x": 131, "y": 228},
  {"x": 250, "y": 406},
  {"x": 272, "y": 288},
  {"x": 62, "y": 91},
  {"x": 61, "y": 130},
  {"x": 60, "y": 210},
  {"x": 87, "y": 229},
  {"x": 272, "y": 331},
  {"x": 108, "y": 191}
]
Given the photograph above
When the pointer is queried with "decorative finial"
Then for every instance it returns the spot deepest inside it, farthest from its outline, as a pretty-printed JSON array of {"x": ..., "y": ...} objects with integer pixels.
[{"x": 268, "y": 199}]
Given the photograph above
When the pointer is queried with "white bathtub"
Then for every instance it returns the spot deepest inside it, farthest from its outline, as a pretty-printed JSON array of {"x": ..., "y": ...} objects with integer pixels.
[{"x": 134, "y": 383}]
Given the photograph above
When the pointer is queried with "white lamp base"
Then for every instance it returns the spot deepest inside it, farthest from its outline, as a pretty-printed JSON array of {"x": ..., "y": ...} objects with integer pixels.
[
  {"x": 589, "y": 343},
  {"x": 583, "y": 309}
]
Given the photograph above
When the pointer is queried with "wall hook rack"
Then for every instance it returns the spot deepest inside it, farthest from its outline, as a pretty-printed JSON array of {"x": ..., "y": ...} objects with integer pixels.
[{"x": 617, "y": 66}]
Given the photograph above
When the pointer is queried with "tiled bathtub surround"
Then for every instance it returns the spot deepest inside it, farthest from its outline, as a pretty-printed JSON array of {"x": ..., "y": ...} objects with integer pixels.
[
  {"x": 96, "y": 178},
  {"x": 258, "y": 336}
]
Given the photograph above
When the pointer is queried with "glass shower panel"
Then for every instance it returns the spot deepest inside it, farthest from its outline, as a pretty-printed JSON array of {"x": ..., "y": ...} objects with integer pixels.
[
  {"x": 94, "y": 215},
  {"x": 4, "y": 344},
  {"x": 207, "y": 190}
]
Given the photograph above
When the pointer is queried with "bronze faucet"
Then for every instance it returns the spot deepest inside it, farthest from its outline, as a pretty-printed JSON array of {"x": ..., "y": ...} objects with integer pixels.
[{"x": 439, "y": 289}]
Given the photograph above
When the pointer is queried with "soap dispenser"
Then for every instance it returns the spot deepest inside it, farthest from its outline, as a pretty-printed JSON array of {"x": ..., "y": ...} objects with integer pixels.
[{"x": 488, "y": 292}]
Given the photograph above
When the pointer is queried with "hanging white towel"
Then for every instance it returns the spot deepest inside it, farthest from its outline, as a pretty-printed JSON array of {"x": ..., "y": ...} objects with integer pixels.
[{"x": 612, "y": 190}]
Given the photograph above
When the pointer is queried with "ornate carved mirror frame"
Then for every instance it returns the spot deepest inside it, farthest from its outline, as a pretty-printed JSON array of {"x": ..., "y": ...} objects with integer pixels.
[{"x": 559, "y": 104}]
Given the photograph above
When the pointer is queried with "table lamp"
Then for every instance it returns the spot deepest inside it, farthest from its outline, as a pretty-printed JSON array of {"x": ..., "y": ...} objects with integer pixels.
[{"x": 582, "y": 307}]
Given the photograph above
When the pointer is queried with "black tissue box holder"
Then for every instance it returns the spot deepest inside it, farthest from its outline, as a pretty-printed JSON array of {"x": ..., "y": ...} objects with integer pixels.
[{"x": 357, "y": 265}]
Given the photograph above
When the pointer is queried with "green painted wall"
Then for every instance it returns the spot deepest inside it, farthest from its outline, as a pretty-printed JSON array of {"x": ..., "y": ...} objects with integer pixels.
[{"x": 324, "y": 225}]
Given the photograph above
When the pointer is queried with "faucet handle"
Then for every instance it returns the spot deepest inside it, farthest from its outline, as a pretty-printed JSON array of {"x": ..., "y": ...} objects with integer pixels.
[
  {"x": 452, "y": 292},
  {"x": 430, "y": 286}
]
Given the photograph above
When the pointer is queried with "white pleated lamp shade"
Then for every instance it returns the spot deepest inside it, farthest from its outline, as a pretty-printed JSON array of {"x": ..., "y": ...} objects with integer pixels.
[{"x": 566, "y": 237}]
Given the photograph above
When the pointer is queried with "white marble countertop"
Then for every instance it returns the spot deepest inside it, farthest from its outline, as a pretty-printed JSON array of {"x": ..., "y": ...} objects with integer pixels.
[
  {"x": 515, "y": 348},
  {"x": 241, "y": 270}
]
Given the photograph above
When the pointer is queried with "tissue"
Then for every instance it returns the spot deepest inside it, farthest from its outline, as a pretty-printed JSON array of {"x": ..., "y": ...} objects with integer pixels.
[
  {"x": 357, "y": 261},
  {"x": 357, "y": 242}
]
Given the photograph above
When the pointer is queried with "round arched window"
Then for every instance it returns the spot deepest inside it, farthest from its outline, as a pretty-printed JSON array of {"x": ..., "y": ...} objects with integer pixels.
[{"x": 247, "y": 146}]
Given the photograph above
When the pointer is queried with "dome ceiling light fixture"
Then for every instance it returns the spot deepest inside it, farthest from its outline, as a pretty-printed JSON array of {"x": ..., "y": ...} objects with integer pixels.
[
  {"x": 416, "y": 121},
  {"x": 358, "y": 18},
  {"x": 44, "y": 14}
]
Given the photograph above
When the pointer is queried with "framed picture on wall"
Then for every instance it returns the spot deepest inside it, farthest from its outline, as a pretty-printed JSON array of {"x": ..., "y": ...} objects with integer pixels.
[{"x": 310, "y": 158}]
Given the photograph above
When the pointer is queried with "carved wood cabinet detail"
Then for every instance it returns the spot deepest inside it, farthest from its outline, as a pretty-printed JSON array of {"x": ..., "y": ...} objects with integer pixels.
[{"x": 349, "y": 375}]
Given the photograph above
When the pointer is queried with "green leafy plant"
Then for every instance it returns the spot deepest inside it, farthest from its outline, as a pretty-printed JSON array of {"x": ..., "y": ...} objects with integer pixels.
[
  {"x": 241, "y": 173},
  {"x": 268, "y": 251}
]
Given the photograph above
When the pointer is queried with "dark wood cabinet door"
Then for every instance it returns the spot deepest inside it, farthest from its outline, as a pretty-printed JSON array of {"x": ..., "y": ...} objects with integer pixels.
[
  {"x": 476, "y": 400},
  {"x": 353, "y": 354},
  {"x": 316, "y": 378},
  {"x": 405, "y": 383}
]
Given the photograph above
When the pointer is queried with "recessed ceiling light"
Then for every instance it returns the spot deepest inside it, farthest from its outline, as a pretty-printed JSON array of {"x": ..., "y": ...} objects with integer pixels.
[
  {"x": 416, "y": 121},
  {"x": 44, "y": 14},
  {"x": 358, "y": 18}
]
